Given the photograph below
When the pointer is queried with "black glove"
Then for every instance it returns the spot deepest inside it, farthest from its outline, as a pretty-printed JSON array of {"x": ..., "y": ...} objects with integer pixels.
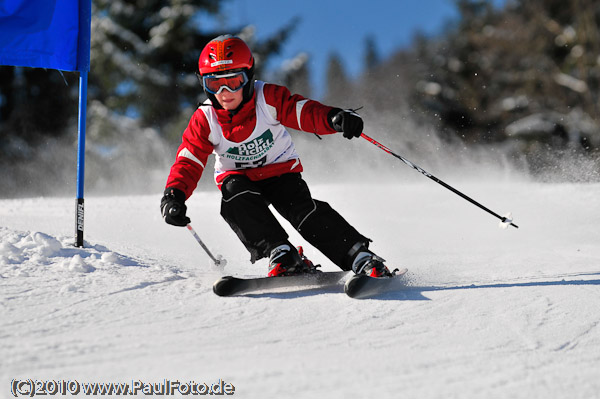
[
  {"x": 346, "y": 121},
  {"x": 172, "y": 207}
]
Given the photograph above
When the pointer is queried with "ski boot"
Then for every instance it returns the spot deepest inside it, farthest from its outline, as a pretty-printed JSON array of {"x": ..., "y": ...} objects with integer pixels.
[
  {"x": 285, "y": 260},
  {"x": 366, "y": 262}
]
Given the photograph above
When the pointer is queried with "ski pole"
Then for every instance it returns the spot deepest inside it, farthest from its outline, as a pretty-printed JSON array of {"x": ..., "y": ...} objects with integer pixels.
[
  {"x": 219, "y": 261},
  {"x": 504, "y": 219}
]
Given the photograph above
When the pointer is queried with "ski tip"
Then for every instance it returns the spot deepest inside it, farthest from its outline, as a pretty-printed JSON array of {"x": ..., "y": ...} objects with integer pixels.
[
  {"x": 400, "y": 272},
  {"x": 224, "y": 286},
  {"x": 362, "y": 286},
  {"x": 353, "y": 285}
]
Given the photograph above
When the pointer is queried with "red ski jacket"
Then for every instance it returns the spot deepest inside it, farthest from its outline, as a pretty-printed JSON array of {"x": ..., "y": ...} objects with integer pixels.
[{"x": 209, "y": 128}]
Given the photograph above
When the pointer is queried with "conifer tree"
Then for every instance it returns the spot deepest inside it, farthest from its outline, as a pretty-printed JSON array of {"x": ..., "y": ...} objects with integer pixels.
[{"x": 338, "y": 85}]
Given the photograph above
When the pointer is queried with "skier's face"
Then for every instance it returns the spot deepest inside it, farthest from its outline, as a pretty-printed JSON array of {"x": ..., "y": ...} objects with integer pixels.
[{"x": 229, "y": 100}]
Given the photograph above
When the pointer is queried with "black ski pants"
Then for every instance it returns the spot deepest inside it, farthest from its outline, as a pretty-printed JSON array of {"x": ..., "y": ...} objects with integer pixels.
[{"x": 245, "y": 207}]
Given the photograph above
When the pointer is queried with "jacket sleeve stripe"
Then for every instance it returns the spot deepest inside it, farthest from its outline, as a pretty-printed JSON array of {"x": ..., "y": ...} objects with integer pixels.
[
  {"x": 299, "y": 106},
  {"x": 298, "y": 112},
  {"x": 188, "y": 154}
]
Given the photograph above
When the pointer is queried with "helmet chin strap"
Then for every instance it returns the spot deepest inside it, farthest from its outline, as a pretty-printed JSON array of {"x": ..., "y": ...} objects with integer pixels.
[
  {"x": 213, "y": 100},
  {"x": 248, "y": 90}
]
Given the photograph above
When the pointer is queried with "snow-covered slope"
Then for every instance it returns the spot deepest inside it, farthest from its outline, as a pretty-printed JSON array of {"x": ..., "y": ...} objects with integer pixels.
[{"x": 488, "y": 313}]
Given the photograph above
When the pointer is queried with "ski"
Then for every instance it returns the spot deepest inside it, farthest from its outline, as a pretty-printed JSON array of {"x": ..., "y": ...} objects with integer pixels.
[
  {"x": 230, "y": 285},
  {"x": 363, "y": 286}
]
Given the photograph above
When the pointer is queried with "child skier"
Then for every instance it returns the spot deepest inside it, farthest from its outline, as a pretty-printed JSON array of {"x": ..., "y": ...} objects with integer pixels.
[{"x": 243, "y": 123}]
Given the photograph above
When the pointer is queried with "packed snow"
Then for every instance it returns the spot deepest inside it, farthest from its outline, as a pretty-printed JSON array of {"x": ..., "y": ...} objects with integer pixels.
[{"x": 485, "y": 313}]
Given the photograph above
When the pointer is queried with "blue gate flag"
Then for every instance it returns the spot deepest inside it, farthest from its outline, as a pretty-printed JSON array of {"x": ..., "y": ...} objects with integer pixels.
[
  {"x": 53, "y": 34},
  {"x": 45, "y": 34}
]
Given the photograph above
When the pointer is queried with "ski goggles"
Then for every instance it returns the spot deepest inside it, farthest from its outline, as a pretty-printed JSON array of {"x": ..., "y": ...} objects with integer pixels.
[{"x": 232, "y": 81}]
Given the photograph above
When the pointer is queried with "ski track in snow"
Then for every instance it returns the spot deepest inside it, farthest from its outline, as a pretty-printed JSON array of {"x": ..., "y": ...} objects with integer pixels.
[{"x": 483, "y": 312}]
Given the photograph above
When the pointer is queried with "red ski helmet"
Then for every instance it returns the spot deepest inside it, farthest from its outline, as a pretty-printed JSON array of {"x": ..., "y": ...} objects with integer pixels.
[{"x": 226, "y": 53}]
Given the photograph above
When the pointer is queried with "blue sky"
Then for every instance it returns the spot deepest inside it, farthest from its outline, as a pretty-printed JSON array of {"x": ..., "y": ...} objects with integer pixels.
[{"x": 339, "y": 26}]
